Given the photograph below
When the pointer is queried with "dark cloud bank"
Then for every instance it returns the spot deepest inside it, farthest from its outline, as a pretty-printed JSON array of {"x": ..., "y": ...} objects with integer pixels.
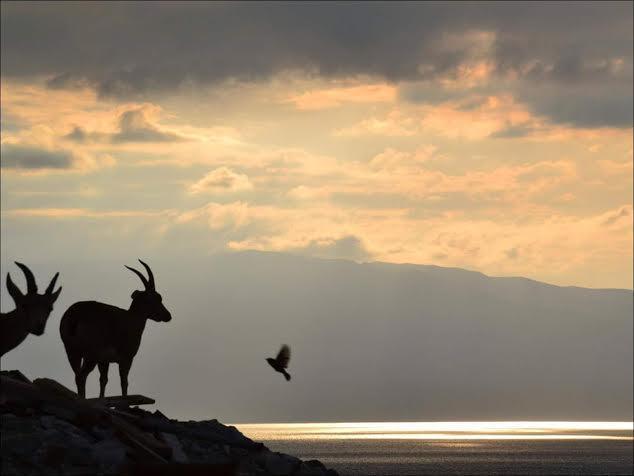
[
  {"x": 133, "y": 49},
  {"x": 15, "y": 156}
]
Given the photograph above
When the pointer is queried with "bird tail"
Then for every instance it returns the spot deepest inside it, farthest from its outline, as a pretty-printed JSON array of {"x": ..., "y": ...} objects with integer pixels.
[{"x": 287, "y": 376}]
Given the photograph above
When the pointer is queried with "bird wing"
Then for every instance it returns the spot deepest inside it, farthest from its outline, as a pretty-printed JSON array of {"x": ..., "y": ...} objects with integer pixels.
[{"x": 284, "y": 356}]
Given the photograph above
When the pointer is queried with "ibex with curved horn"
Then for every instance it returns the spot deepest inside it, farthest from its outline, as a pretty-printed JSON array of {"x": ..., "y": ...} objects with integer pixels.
[
  {"x": 31, "y": 311},
  {"x": 98, "y": 334}
]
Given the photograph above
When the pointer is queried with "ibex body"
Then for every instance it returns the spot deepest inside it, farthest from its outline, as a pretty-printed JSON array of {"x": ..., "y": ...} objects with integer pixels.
[
  {"x": 97, "y": 334},
  {"x": 31, "y": 311}
]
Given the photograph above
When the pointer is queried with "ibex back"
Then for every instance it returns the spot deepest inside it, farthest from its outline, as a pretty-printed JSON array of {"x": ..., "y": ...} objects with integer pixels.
[
  {"x": 96, "y": 334},
  {"x": 31, "y": 311}
]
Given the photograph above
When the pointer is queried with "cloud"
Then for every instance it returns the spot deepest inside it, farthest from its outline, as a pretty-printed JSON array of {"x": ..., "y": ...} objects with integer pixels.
[
  {"x": 622, "y": 217},
  {"x": 514, "y": 132},
  {"x": 587, "y": 101},
  {"x": 392, "y": 159},
  {"x": 334, "y": 97},
  {"x": 395, "y": 124},
  {"x": 302, "y": 192},
  {"x": 79, "y": 213},
  {"x": 492, "y": 115},
  {"x": 35, "y": 158},
  {"x": 582, "y": 106},
  {"x": 8, "y": 123},
  {"x": 32, "y": 158},
  {"x": 348, "y": 247},
  {"x": 221, "y": 180},
  {"x": 128, "y": 49},
  {"x": 67, "y": 81},
  {"x": 468, "y": 116},
  {"x": 219, "y": 216},
  {"x": 135, "y": 125},
  {"x": 515, "y": 243}
]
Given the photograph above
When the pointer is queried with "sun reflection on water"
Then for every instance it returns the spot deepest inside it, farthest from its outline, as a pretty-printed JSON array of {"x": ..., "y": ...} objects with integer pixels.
[{"x": 498, "y": 430}]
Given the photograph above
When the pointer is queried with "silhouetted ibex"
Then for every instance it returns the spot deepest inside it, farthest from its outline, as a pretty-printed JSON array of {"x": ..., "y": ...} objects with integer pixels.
[
  {"x": 31, "y": 311},
  {"x": 100, "y": 333}
]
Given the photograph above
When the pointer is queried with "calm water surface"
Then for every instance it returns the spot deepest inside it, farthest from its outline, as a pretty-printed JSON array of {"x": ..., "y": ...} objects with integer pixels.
[{"x": 416, "y": 448}]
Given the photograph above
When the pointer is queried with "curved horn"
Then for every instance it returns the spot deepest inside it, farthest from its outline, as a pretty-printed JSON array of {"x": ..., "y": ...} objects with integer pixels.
[
  {"x": 31, "y": 285},
  {"x": 150, "y": 275},
  {"x": 14, "y": 291},
  {"x": 49, "y": 289},
  {"x": 141, "y": 277}
]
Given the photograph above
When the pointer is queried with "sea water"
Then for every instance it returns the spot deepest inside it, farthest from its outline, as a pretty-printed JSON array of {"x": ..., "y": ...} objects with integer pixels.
[{"x": 417, "y": 448}]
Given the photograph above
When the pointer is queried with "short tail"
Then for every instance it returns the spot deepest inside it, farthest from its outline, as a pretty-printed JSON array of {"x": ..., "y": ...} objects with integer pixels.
[{"x": 287, "y": 376}]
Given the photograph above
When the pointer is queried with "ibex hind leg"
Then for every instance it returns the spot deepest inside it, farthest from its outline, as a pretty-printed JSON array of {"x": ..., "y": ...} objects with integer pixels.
[
  {"x": 75, "y": 360},
  {"x": 103, "y": 378},
  {"x": 86, "y": 367},
  {"x": 124, "y": 370}
]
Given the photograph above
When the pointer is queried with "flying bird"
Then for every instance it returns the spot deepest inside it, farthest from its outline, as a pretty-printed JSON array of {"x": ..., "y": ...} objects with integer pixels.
[{"x": 280, "y": 363}]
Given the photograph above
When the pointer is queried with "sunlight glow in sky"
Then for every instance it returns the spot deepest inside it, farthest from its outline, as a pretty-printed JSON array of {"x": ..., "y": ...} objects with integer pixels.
[{"x": 461, "y": 141}]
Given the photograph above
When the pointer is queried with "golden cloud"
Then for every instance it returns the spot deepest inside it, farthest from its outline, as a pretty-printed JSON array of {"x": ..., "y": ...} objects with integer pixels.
[
  {"x": 221, "y": 180},
  {"x": 337, "y": 96}
]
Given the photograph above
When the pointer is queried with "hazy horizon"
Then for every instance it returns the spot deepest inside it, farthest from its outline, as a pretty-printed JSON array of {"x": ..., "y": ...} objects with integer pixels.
[{"x": 369, "y": 341}]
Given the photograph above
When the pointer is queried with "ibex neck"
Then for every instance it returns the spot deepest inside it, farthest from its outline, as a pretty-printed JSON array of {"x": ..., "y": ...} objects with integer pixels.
[
  {"x": 14, "y": 329},
  {"x": 136, "y": 309}
]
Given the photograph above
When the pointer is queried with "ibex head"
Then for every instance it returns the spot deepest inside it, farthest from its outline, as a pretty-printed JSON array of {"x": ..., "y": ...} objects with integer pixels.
[
  {"x": 148, "y": 301},
  {"x": 35, "y": 307}
]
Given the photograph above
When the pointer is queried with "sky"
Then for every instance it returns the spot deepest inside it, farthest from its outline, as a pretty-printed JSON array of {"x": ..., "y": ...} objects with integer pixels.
[{"x": 494, "y": 137}]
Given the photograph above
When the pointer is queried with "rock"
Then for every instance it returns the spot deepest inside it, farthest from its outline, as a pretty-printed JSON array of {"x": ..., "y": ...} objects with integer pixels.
[
  {"x": 121, "y": 401},
  {"x": 10, "y": 422},
  {"x": 314, "y": 468},
  {"x": 24, "y": 445},
  {"x": 47, "y": 429},
  {"x": 109, "y": 453},
  {"x": 178, "y": 455},
  {"x": 52, "y": 422},
  {"x": 101, "y": 432},
  {"x": 15, "y": 375},
  {"x": 313, "y": 463},
  {"x": 60, "y": 412},
  {"x": 280, "y": 464},
  {"x": 54, "y": 388},
  {"x": 54, "y": 455},
  {"x": 311, "y": 468}
]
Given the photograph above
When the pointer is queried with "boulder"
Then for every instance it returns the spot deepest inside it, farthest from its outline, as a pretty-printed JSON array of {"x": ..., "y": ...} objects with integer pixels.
[
  {"x": 178, "y": 455},
  {"x": 110, "y": 454},
  {"x": 48, "y": 429}
]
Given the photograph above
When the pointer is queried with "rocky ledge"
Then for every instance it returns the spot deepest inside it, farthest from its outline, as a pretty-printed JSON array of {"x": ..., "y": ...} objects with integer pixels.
[{"x": 47, "y": 429}]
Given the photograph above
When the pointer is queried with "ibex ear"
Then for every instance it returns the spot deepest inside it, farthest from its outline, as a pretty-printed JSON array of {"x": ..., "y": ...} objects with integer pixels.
[
  {"x": 55, "y": 295},
  {"x": 135, "y": 294},
  {"x": 14, "y": 291}
]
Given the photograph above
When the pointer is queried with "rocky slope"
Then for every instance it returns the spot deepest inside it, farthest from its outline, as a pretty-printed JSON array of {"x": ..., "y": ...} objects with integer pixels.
[{"x": 47, "y": 429}]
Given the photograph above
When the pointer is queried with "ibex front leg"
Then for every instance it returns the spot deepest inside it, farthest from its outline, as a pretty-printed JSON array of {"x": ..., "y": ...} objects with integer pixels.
[
  {"x": 103, "y": 378},
  {"x": 124, "y": 370}
]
